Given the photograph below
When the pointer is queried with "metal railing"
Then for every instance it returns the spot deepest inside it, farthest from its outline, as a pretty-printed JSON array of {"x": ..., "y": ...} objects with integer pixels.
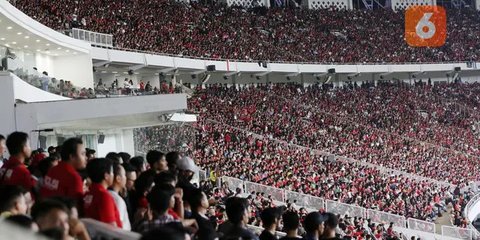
[{"x": 94, "y": 38}]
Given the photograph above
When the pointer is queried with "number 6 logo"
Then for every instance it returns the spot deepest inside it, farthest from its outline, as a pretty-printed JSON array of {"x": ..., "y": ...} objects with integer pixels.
[{"x": 425, "y": 26}]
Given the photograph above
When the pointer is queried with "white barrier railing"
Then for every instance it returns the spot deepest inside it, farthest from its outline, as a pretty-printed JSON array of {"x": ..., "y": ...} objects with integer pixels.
[
  {"x": 420, "y": 225},
  {"x": 304, "y": 200},
  {"x": 345, "y": 209},
  {"x": 384, "y": 217},
  {"x": 276, "y": 193},
  {"x": 455, "y": 232},
  {"x": 234, "y": 183}
]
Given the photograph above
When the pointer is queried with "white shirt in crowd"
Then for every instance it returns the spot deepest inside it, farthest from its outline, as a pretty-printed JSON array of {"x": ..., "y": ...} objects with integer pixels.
[{"x": 122, "y": 210}]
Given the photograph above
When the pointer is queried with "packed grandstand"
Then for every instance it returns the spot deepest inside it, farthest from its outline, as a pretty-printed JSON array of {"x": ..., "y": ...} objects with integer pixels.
[{"x": 360, "y": 160}]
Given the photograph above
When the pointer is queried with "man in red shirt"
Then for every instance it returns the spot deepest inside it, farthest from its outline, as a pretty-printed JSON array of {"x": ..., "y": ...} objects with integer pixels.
[
  {"x": 98, "y": 203},
  {"x": 63, "y": 179},
  {"x": 14, "y": 172}
]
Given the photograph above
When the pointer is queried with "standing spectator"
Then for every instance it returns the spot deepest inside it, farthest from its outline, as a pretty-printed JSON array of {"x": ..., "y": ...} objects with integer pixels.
[
  {"x": 270, "y": 218},
  {"x": 118, "y": 186},
  {"x": 157, "y": 161},
  {"x": 238, "y": 212},
  {"x": 3, "y": 148},
  {"x": 63, "y": 179},
  {"x": 90, "y": 154},
  {"x": 331, "y": 224},
  {"x": 98, "y": 203},
  {"x": 12, "y": 201},
  {"x": 291, "y": 223},
  {"x": 314, "y": 225},
  {"x": 14, "y": 171},
  {"x": 45, "y": 80},
  {"x": 172, "y": 159},
  {"x": 160, "y": 200},
  {"x": 199, "y": 205}
]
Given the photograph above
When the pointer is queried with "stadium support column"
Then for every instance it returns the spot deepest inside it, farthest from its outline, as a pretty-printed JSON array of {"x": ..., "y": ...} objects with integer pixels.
[
  {"x": 267, "y": 78},
  {"x": 234, "y": 80},
  {"x": 302, "y": 79}
]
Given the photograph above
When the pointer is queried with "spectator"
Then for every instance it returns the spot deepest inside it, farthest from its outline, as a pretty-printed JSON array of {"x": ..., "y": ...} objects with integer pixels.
[
  {"x": 238, "y": 212},
  {"x": 12, "y": 201},
  {"x": 118, "y": 186},
  {"x": 291, "y": 223},
  {"x": 331, "y": 223},
  {"x": 157, "y": 161},
  {"x": 51, "y": 151},
  {"x": 131, "y": 176},
  {"x": 14, "y": 171},
  {"x": 51, "y": 214},
  {"x": 90, "y": 154},
  {"x": 138, "y": 163},
  {"x": 45, "y": 81},
  {"x": 98, "y": 203},
  {"x": 270, "y": 220},
  {"x": 314, "y": 225},
  {"x": 172, "y": 159},
  {"x": 160, "y": 200},
  {"x": 115, "y": 157},
  {"x": 199, "y": 204},
  {"x": 3, "y": 148},
  {"x": 63, "y": 179}
]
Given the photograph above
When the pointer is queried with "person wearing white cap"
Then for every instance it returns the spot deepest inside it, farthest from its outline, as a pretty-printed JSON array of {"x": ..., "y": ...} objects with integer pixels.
[{"x": 186, "y": 169}]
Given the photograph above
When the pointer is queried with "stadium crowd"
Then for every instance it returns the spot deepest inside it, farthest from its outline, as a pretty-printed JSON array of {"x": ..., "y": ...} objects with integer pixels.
[
  {"x": 366, "y": 124},
  {"x": 50, "y": 193},
  {"x": 277, "y": 34}
]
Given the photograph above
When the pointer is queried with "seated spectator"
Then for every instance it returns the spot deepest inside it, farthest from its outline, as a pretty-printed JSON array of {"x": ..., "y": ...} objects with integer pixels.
[
  {"x": 118, "y": 186},
  {"x": 157, "y": 161},
  {"x": 314, "y": 225},
  {"x": 238, "y": 212},
  {"x": 270, "y": 220},
  {"x": 63, "y": 179},
  {"x": 291, "y": 223},
  {"x": 199, "y": 204},
  {"x": 98, "y": 203},
  {"x": 331, "y": 223},
  {"x": 51, "y": 214},
  {"x": 14, "y": 171},
  {"x": 12, "y": 201}
]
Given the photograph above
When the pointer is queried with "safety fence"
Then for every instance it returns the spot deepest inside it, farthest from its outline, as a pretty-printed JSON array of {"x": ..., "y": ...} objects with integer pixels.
[
  {"x": 420, "y": 225},
  {"x": 316, "y": 203},
  {"x": 456, "y": 232}
]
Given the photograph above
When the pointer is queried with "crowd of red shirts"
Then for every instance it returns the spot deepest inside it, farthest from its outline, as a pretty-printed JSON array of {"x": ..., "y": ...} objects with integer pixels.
[{"x": 276, "y": 34}]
